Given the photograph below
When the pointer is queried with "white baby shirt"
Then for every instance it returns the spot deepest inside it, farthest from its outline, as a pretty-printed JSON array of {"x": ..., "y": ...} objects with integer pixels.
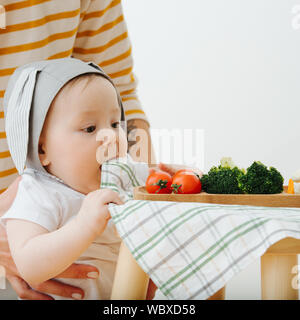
[{"x": 47, "y": 201}]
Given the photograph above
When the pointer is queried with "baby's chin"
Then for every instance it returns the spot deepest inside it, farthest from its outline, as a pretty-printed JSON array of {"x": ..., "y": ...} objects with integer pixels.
[
  {"x": 91, "y": 185},
  {"x": 90, "y": 188},
  {"x": 81, "y": 185}
]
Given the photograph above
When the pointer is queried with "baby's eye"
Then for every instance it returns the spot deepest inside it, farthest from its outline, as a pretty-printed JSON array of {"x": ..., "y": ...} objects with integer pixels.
[
  {"x": 116, "y": 124},
  {"x": 90, "y": 129}
]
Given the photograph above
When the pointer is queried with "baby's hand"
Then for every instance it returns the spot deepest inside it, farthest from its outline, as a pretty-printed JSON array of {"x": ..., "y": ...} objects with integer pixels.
[
  {"x": 94, "y": 210},
  {"x": 173, "y": 168}
]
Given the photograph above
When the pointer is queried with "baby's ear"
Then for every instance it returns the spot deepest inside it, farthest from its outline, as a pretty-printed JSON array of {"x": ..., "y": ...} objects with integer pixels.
[{"x": 43, "y": 156}]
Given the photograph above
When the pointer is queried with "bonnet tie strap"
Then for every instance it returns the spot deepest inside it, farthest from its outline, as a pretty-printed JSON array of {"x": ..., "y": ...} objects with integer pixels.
[{"x": 17, "y": 117}]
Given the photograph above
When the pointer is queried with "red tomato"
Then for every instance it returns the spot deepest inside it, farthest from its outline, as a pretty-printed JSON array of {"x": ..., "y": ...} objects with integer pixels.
[
  {"x": 186, "y": 181},
  {"x": 159, "y": 182}
]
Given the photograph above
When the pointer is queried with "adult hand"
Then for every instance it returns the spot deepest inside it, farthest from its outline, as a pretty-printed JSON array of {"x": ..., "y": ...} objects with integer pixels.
[
  {"x": 23, "y": 290},
  {"x": 173, "y": 168}
]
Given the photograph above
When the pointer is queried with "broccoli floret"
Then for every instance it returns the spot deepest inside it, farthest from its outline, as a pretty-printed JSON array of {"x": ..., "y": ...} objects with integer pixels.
[
  {"x": 222, "y": 179},
  {"x": 227, "y": 162},
  {"x": 261, "y": 180}
]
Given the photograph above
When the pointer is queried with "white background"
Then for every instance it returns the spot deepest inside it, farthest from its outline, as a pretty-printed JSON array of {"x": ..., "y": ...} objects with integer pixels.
[{"x": 231, "y": 68}]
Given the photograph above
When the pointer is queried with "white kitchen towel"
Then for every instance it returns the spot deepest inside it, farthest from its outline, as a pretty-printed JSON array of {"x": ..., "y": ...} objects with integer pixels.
[{"x": 190, "y": 250}]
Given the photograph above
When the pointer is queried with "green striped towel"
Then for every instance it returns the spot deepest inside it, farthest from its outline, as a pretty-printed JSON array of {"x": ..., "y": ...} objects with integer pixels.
[{"x": 191, "y": 250}]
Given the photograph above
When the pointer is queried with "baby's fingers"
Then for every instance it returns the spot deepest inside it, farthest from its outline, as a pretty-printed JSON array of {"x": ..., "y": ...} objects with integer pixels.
[{"x": 111, "y": 196}]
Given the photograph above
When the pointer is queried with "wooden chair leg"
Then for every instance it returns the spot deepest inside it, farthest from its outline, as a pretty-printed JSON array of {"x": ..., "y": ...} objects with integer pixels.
[
  {"x": 130, "y": 282},
  {"x": 219, "y": 295},
  {"x": 277, "y": 277}
]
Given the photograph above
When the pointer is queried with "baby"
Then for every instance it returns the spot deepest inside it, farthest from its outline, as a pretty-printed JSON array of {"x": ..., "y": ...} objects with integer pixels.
[
  {"x": 64, "y": 119},
  {"x": 56, "y": 112}
]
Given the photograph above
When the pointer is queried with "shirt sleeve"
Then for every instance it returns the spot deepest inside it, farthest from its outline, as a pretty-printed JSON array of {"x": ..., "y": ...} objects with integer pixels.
[
  {"x": 102, "y": 37},
  {"x": 34, "y": 203}
]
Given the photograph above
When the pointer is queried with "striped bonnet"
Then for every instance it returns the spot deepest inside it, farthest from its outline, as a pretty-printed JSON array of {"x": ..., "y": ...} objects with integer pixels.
[{"x": 28, "y": 96}]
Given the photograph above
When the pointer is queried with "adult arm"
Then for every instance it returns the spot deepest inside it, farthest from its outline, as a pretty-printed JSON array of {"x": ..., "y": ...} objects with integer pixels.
[{"x": 103, "y": 38}]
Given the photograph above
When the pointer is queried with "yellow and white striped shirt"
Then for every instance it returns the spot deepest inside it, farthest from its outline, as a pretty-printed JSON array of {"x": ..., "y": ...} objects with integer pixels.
[{"x": 90, "y": 30}]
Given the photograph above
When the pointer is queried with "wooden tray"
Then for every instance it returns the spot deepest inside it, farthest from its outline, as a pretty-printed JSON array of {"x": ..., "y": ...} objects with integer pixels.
[{"x": 267, "y": 200}]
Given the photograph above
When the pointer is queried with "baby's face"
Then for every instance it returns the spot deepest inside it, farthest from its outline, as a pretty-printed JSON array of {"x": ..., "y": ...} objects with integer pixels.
[{"x": 68, "y": 144}]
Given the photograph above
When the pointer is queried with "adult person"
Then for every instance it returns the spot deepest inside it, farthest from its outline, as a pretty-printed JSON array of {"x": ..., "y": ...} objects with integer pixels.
[{"x": 90, "y": 30}]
